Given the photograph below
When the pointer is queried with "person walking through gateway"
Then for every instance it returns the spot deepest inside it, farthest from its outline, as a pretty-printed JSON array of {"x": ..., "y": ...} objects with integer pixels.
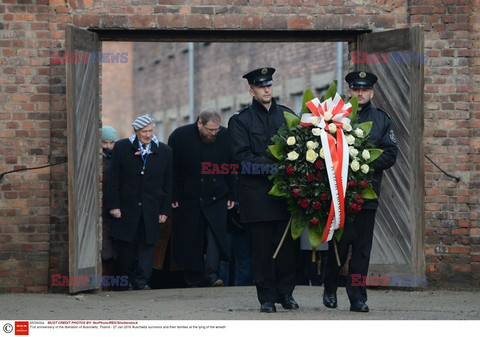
[
  {"x": 109, "y": 136},
  {"x": 202, "y": 196},
  {"x": 139, "y": 198},
  {"x": 360, "y": 234},
  {"x": 265, "y": 216}
]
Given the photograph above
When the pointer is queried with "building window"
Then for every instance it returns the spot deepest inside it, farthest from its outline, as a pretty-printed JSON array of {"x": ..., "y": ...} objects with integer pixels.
[
  {"x": 161, "y": 132},
  {"x": 173, "y": 124},
  {"x": 321, "y": 91},
  {"x": 173, "y": 50},
  {"x": 297, "y": 99},
  {"x": 226, "y": 113}
]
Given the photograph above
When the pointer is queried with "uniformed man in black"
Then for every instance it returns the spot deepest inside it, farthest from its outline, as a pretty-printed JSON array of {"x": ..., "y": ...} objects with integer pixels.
[
  {"x": 360, "y": 233},
  {"x": 265, "y": 216}
]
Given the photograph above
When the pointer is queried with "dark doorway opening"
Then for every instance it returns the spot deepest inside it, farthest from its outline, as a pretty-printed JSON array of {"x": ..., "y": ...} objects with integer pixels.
[{"x": 401, "y": 240}]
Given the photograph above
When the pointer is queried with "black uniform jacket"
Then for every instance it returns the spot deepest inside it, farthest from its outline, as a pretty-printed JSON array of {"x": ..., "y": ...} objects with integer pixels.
[
  {"x": 198, "y": 192},
  {"x": 251, "y": 130},
  {"x": 135, "y": 194},
  {"x": 382, "y": 137}
]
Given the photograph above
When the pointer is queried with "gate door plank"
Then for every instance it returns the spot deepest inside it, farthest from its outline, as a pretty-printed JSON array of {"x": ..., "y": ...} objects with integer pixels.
[
  {"x": 399, "y": 230},
  {"x": 83, "y": 160}
]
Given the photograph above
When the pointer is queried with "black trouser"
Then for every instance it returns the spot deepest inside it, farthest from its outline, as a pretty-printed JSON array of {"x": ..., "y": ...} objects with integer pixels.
[
  {"x": 273, "y": 277},
  {"x": 359, "y": 235},
  {"x": 135, "y": 258},
  {"x": 211, "y": 268}
]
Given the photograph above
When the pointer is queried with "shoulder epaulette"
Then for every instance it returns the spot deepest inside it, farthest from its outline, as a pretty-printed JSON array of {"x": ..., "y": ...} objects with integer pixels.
[
  {"x": 384, "y": 113},
  {"x": 242, "y": 110},
  {"x": 285, "y": 107}
]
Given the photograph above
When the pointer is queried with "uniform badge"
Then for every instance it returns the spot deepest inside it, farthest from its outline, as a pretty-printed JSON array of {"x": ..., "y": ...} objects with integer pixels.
[
  {"x": 264, "y": 71},
  {"x": 392, "y": 136},
  {"x": 362, "y": 74}
]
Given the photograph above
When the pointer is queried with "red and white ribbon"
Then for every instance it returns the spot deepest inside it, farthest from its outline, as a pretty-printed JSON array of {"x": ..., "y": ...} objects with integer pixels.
[{"x": 336, "y": 154}]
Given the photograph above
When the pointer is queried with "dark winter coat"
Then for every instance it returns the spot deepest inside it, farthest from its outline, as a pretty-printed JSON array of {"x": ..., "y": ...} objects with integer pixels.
[
  {"x": 137, "y": 195},
  {"x": 382, "y": 137},
  {"x": 251, "y": 130},
  {"x": 107, "y": 219},
  {"x": 199, "y": 193}
]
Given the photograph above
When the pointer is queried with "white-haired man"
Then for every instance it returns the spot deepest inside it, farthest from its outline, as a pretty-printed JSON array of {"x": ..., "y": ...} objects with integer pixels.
[{"x": 140, "y": 196}]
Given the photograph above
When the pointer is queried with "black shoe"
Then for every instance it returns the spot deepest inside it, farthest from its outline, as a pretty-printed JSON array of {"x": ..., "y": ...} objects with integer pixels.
[
  {"x": 330, "y": 300},
  {"x": 288, "y": 302},
  {"x": 359, "y": 306},
  {"x": 217, "y": 283},
  {"x": 268, "y": 307}
]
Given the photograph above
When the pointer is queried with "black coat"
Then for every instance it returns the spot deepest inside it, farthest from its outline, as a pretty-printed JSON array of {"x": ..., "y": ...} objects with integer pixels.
[
  {"x": 106, "y": 167},
  {"x": 199, "y": 193},
  {"x": 134, "y": 194},
  {"x": 382, "y": 137},
  {"x": 107, "y": 219},
  {"x": 251, "y": 131}
]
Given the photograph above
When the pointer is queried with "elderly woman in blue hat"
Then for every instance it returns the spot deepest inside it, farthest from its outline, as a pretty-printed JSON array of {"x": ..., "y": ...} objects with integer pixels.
[
  {"x": 109, "y": 136},
  {"x": 139, "y": 198}
]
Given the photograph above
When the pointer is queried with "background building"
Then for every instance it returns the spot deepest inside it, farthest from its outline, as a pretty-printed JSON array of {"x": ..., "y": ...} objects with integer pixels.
[
  {"x": 161, "y": 76},
  {"x": 117, "y": 89}
]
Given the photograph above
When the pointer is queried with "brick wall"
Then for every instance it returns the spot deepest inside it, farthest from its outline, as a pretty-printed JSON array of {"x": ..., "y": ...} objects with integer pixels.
[
  {"x": 25, "y": 140},
  {"x": 33, "y": 213},
  {"x": 452, "y": 234},
  {"x": 474, "y": 106}
]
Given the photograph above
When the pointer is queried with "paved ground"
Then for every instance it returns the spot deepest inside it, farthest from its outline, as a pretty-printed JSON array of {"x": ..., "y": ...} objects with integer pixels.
[{"x": 237, "y": 303}]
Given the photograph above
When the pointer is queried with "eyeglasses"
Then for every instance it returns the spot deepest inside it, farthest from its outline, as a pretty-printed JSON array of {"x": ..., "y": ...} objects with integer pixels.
[{"x": 212, "y": 130}]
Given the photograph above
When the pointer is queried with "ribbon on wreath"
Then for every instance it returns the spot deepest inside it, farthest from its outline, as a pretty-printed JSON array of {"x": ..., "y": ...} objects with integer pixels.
[{"x": 324, "y": 114}]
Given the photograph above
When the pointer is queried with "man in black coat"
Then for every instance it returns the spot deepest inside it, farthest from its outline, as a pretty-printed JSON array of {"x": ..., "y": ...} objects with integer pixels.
[
  {"x": 360, "y": 233},
  {"x": 266, "y": 216},
  {"x": 203, "y": 191},
  {"x": 140, "y": 195}
]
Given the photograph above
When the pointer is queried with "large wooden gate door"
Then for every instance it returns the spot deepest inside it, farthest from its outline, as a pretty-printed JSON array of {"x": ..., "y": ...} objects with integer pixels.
[
  {"x": 397, "y": 58},
  {"x": 83, "y": 160}
]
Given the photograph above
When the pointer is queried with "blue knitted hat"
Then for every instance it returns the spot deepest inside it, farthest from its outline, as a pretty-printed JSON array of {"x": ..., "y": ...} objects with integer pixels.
[{"x": 109, "y": 134}]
